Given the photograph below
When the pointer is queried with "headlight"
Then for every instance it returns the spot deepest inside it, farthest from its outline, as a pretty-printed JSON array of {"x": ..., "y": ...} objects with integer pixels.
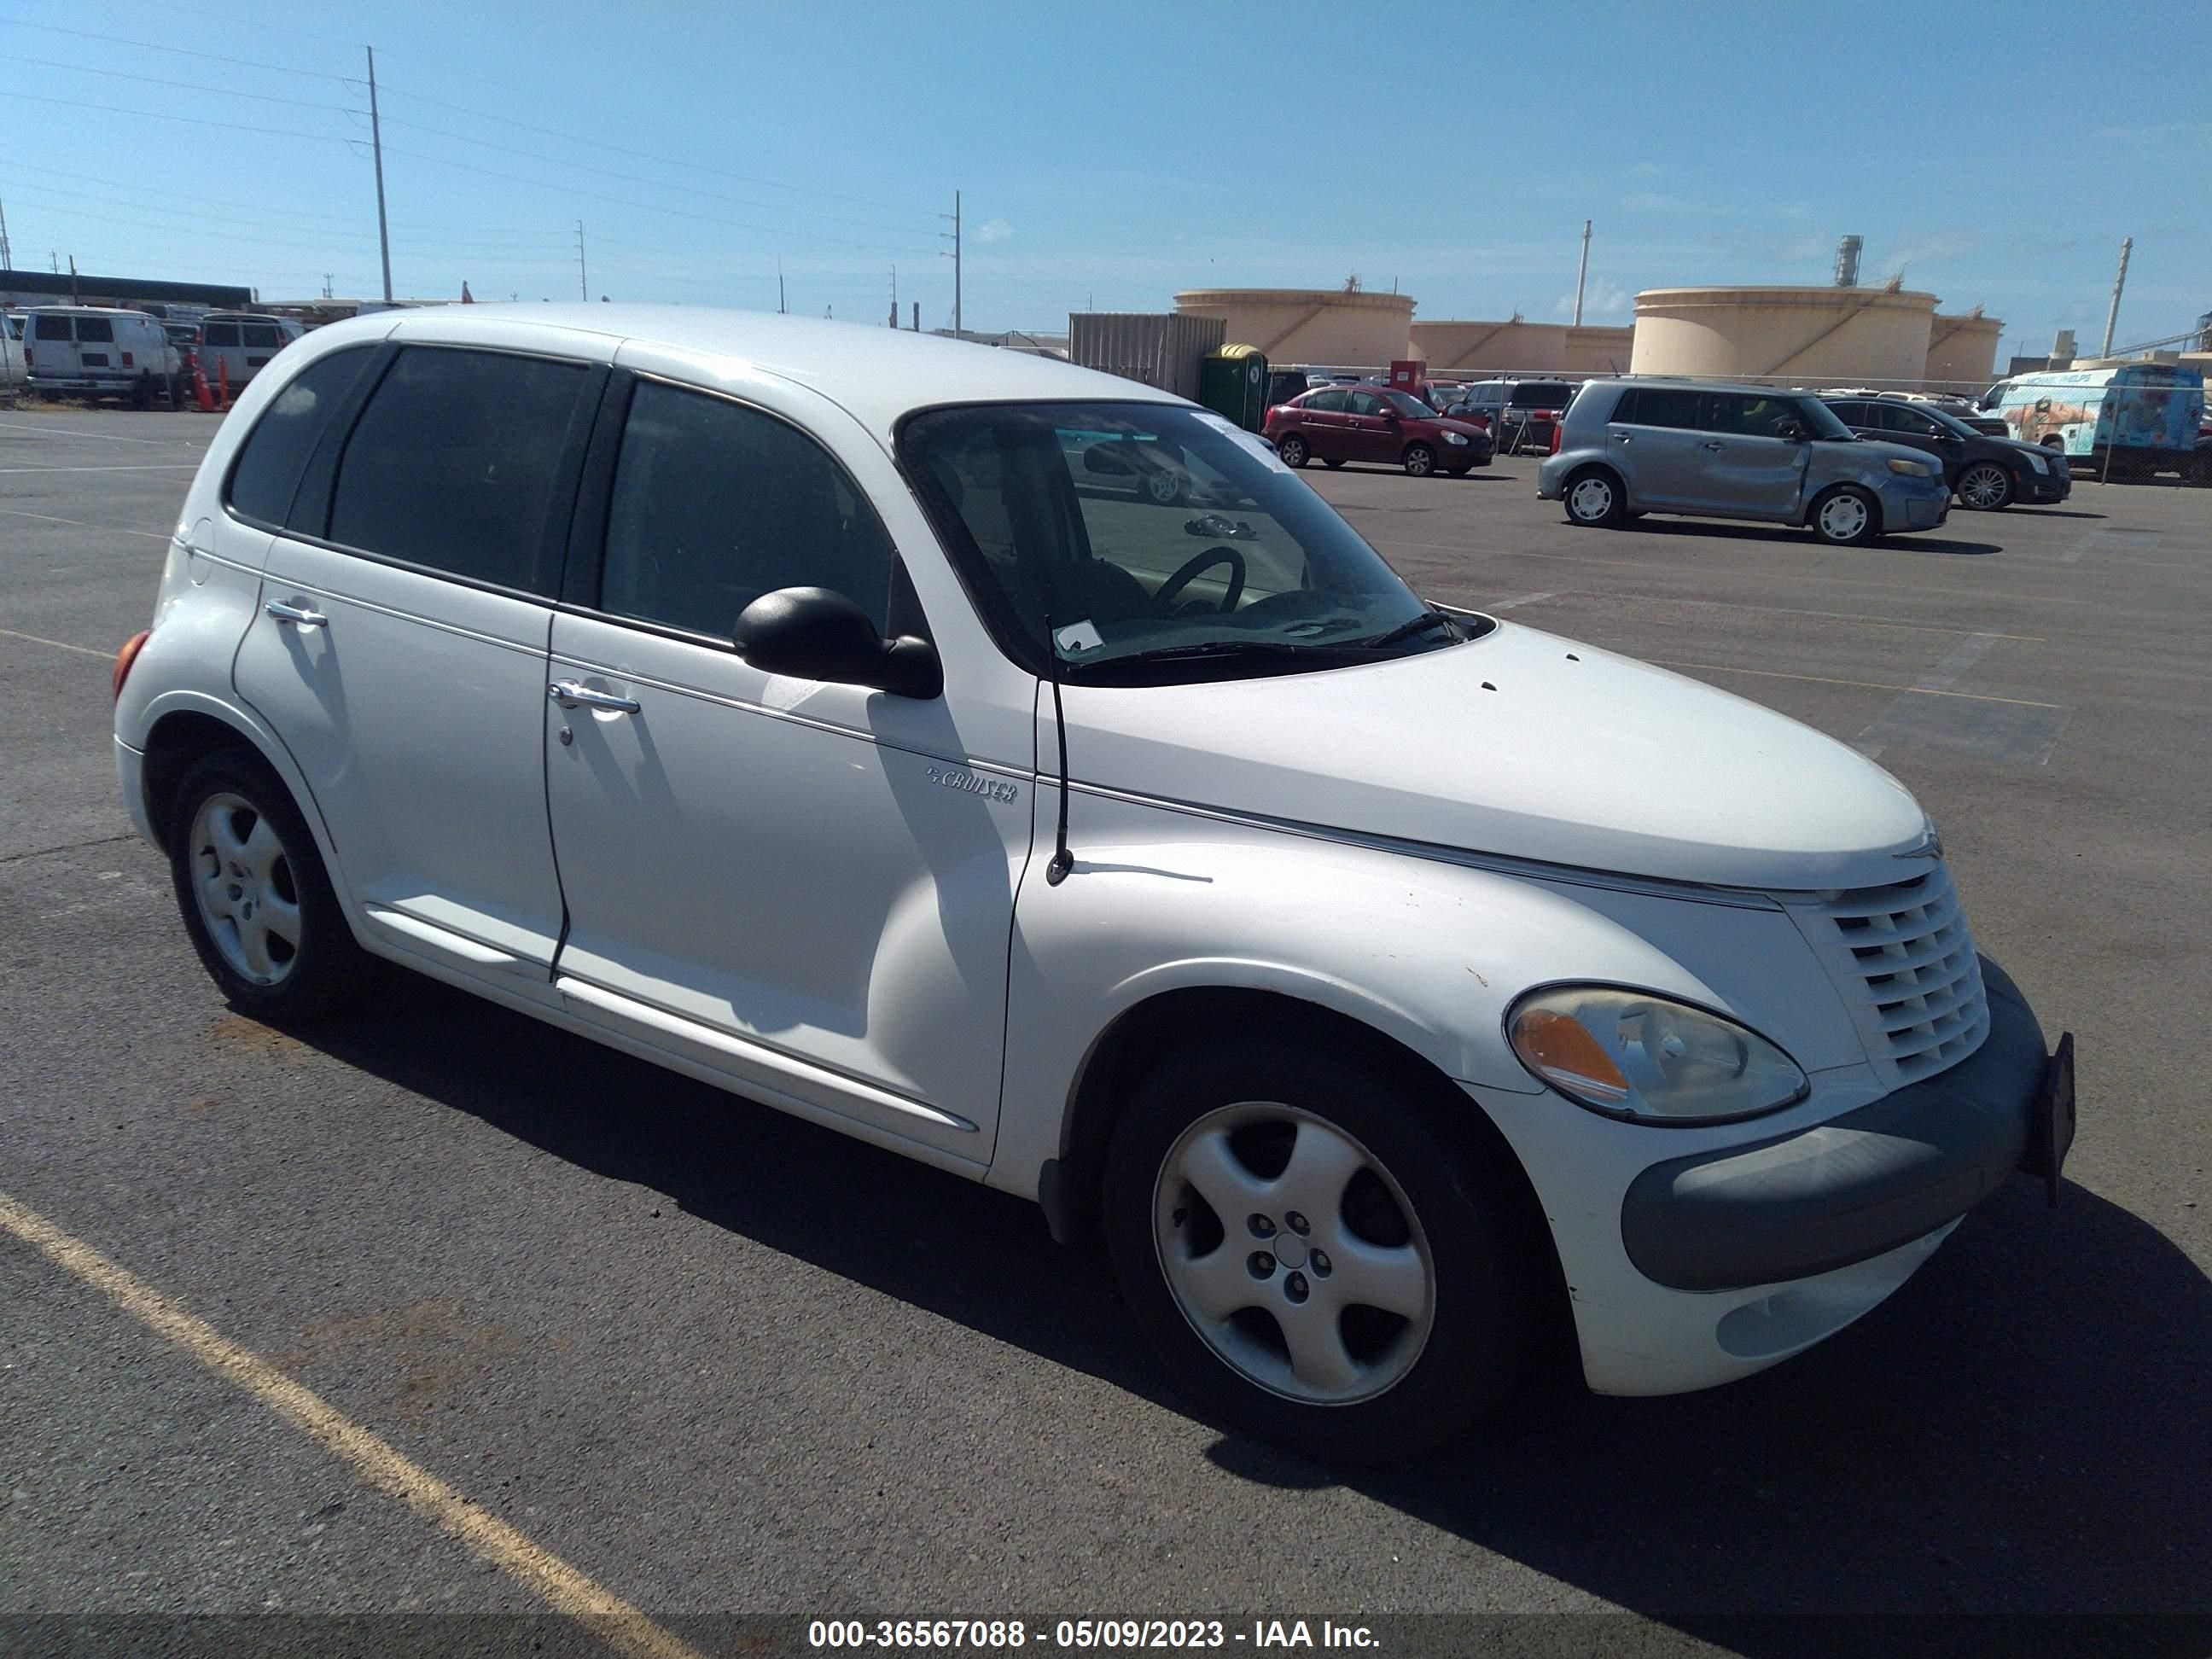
[
  {"x": 2035, "y": 460},
  {"x": 1648, "y": 1059},
  {"x": 1459, "y": 438},
  {"x": 1912, "y": 469}
]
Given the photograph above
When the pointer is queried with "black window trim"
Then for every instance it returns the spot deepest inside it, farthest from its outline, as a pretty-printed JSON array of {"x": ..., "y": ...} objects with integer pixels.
[
  {"x": 322, "y": 468},
  {"x": 585, "y": 567}
]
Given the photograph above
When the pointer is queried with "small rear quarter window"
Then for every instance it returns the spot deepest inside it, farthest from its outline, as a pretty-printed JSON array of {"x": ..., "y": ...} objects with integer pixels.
[{"x": 270, "y": 464}]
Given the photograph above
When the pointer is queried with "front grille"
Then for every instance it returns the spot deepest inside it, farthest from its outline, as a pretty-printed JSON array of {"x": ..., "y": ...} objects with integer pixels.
[{"x": 1905, "y": 963}]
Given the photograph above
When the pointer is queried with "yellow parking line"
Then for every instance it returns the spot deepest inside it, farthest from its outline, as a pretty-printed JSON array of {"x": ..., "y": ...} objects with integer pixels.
[
  {"x": 376, "y": 1461},
  {"x": 58, "y": 644},
  {"x": 1868, "y": 685}
]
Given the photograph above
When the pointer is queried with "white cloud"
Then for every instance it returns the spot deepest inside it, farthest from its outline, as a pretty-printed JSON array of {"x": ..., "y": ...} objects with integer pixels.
[
  {"x": 1601, "y": 299},
  {"x": 996, "y": 230}
]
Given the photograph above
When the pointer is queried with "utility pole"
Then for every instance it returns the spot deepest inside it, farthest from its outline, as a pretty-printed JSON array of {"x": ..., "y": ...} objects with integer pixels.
[
  {"x": 894, "y": 323},
  {"x": 328, "y": 276},
  {"x": 1582, "y": 275},
  {"x": 958, "y": 333},
  {"x": 376, "y": 144},
  {"x": 583, "y": 283},
  {"x": 779, "y": 285},
  {"x": 917, "y": 316},
  {"x": 7, "y": 262},
  {"x": 2113, "y": 317},
  {"x": 75, "y": 298}
]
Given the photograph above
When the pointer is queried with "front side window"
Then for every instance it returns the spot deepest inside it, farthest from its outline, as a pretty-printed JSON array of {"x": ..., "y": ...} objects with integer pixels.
[
  {"x": 452, "y": 461},
  {"x": 715, "y": 503},
  {"x": 1366, "y": 402},
  {"x": 1754, "y": 417},
  {"x": 96, "y": 330},
  {"x": 1152, "y": 532},
  {"x": 267, "y": 472}
]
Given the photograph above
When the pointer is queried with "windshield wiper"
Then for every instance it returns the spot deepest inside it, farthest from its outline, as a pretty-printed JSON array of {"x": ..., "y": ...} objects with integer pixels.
[
  {"x": 1283, "y": 648},
  {"x": 1406, "y": 630}
]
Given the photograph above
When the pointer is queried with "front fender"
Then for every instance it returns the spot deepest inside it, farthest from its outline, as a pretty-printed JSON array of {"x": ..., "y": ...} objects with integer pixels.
[{"x": 1428, "y": 953}]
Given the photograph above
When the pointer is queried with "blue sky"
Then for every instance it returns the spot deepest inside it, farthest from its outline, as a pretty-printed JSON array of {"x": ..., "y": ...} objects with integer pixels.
[{"x": 1110, "y": 154}]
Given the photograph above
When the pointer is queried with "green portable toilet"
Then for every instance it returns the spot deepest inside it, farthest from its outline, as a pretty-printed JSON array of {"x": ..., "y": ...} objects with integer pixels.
[{"x": 1233, "y": 381}]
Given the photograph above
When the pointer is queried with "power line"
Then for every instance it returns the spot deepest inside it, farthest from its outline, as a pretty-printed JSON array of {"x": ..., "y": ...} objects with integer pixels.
[
  {"x": 188, "y": 85},
  {"x": 189, "y": 120},
  {"x": 181, "y": 51}
]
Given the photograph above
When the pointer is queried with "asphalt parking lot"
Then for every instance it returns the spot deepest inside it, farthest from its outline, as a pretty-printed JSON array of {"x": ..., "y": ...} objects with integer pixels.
[{"x": 714, "y": 1359}]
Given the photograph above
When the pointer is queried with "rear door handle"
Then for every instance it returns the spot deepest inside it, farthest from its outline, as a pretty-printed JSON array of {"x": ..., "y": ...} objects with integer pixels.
[
  {"x": 1712, "y": 443},
  {"x": 305, "y": 615},
  {"x": 569, "y": 695},
  {"x": 1624, "y": 437}
]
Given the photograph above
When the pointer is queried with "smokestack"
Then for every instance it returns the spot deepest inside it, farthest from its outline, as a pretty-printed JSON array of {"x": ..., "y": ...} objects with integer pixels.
[{"x": 1847, "y": 261}]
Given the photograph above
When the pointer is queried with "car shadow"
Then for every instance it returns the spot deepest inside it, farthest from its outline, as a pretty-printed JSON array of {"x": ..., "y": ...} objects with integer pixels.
[
  {"x": 1473, "y": 475},
  {"x": 1903, "y": 541},
  {"x": 2055, "y": 512},
  {"x": 2025, "y": 1427}
]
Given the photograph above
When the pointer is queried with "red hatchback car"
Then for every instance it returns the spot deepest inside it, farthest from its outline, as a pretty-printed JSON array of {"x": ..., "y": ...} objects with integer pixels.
[{"x": 1339, "y": 423}]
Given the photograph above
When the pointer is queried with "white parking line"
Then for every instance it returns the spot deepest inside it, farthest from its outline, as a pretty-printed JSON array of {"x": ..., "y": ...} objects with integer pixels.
[
  {"x": 101, "y": 437},
  {"x": 58, "y": 644},
  {"x": 1526, "y": 599},
  {"x": 86, "y": 524},
  {"x": 153, "y": 466},
  {"x": 376, "y": 1461}
]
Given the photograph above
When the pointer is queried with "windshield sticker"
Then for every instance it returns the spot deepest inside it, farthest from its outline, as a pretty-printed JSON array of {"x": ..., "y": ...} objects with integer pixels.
[
  {"x": 1251, "y": 440},
  {"x": 1078, "y": 637}
]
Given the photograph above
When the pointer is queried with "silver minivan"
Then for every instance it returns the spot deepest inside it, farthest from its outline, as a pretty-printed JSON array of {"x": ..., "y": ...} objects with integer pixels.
[{"x": 1714, "y": 450}]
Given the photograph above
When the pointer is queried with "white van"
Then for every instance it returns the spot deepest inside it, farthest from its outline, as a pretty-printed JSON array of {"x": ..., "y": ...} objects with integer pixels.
[
  {"x": 780, "y": 701},
  {"x": 234, "y": 346},
  {"x": 12, "y": 325},
  {"x": 87, "y": 351}
]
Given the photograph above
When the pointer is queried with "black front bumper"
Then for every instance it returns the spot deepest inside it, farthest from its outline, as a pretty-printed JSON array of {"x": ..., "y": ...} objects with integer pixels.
[{"x": 1851, "y": 1189}]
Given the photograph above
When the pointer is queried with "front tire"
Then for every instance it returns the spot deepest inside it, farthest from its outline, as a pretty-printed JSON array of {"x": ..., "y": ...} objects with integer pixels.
[
  {"x": 1419, "y": 461},
  {"x": 1593, "y": 498},
  {"x": 1846, "y": 516},
  {"x": 1985, "y": 487},
  {"x": 1292, "y": 450},
  {"x": 256, "y": 900},
  {"x": 1311, "y": 1262}
]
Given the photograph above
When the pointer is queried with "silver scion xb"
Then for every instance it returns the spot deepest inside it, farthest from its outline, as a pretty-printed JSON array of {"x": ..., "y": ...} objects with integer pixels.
[{"x": 1629, "y": 447}]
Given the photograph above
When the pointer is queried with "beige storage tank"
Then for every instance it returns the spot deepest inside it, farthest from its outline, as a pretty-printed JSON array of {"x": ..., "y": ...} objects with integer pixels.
[
  {"x": 1840, "y": 336},
  {"x": 1516, "y": 346},
  {"x": 1962, "y": 352},
  {"x": 1350, "y": 327}
]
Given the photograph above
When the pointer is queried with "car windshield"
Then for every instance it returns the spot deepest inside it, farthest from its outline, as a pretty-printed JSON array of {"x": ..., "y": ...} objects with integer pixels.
[
  {"x": 1407, "y": 403},
  {"x": 1155, "y": 532},
  {"x": 1950, "y": 422},
  {"x": 1820, "y": 420}
]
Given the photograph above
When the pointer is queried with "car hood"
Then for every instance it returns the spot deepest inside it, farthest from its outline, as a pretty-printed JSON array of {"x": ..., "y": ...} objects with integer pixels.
[
  {"x": 1519, "y": 744},
  {"x": 1454, "y": 423}
]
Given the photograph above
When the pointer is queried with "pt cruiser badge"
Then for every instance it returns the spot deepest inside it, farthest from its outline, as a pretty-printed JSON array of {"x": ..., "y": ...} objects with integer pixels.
[{"x": 989, "y": 788}]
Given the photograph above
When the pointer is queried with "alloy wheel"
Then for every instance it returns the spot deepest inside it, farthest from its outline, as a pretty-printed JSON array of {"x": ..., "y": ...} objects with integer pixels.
[
  {"x": 243, "y": 885},
  {"x": 1293, "y": 1254},
  {"x": 1984, "y": 486}
]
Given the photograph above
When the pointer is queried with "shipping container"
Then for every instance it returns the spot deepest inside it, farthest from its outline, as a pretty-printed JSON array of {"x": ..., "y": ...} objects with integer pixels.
[{"x": 1159, "y": 348}]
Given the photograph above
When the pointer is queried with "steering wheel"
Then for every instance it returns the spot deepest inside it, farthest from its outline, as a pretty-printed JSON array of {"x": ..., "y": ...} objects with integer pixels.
[{"x": 1174, "y": 586}]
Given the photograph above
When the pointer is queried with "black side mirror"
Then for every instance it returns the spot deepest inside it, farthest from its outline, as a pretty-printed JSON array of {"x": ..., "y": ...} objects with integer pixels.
[{"x": 814, "y": 634}]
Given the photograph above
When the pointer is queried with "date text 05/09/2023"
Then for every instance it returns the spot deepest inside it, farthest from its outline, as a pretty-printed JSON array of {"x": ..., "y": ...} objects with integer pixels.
[{"x": 999, "y": 1635}]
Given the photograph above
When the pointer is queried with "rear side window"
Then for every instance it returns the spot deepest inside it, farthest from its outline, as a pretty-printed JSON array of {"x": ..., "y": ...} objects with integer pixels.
[
  {"x": 267, "y": 472},
  {"x": 715, "y": 504},
  {"x": 1652, "y": 406},
  {"x": 259, "y": 334},
  {"x": 452, "y": 461},
  {"x": 1327, "y": 402},
  {"x": 54, "y": 328},
  {"x": 1542, "y": 394},
  {"x": 220, "y": 334},
  {"x": 95, "y": 330}
]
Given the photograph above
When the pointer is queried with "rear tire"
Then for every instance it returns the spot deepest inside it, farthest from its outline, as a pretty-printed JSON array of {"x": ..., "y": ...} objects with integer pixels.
[
  {"x": 142, "y": 391},
  {"x": 257, "y": 902},
  {"x": 1335, "y": 1179},
  {"x": 1419, "y": 460},
  {"x": 1292, "y": 450},
  {"x": 1845, "y": 516},
  {"x": 1592, "y": 498}
]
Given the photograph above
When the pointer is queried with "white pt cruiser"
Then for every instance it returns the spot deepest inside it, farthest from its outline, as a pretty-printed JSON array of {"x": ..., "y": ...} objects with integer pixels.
[{"x": 835, "y": 715}]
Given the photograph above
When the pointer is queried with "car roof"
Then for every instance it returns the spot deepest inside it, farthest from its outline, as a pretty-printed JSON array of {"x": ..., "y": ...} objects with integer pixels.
[
  {"x": 1689, "y": 383},
  {"x": 878, "y": 374}
]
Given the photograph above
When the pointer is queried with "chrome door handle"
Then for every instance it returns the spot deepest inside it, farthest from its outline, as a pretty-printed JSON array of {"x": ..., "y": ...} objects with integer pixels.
[
  {"x": 1624, "y": 437},
  {"x": 569, "y": 695},
  {"x": 305, "y": 615},
  {"x": 1712, "y": 444}
]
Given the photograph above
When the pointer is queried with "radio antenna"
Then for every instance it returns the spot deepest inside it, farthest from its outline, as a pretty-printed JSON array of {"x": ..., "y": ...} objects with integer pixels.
[{"x": 1062, "y": 860}]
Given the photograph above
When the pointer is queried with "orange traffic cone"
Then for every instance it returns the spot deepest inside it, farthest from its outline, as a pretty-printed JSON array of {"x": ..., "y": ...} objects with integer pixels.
[
  {"x": 200, "y": 387},
  {"x": 222, "y": 379}
]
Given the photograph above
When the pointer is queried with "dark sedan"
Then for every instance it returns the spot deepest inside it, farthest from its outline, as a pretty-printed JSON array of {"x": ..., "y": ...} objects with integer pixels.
[
  {"x": 1985, "y": 473},
  {"x": 1339, "y": 423}
]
